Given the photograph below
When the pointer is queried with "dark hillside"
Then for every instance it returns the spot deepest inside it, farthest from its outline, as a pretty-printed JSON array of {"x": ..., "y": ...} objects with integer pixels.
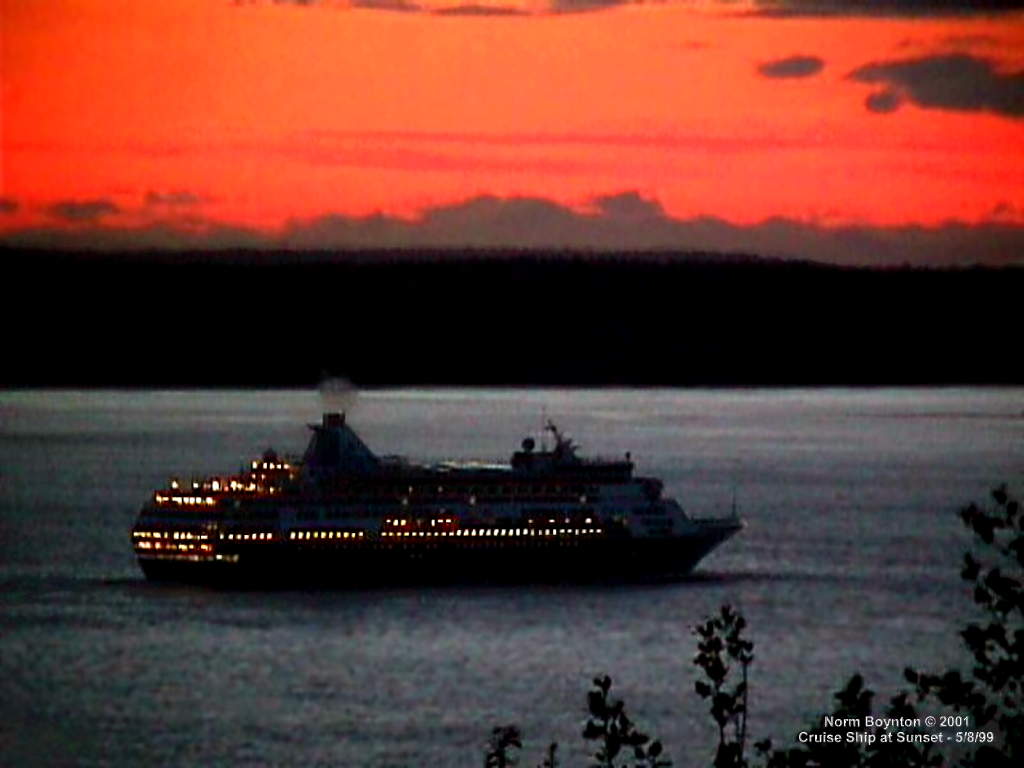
[{"x": 284, "y": 319}]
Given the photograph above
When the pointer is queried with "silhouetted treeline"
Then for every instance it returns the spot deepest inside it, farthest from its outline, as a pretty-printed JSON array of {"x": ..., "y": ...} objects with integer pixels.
[{"x": 502, "y": 318}]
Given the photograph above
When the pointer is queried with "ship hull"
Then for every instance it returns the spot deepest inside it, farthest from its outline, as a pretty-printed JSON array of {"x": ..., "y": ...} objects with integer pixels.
[{"x": 285, "y": 565}]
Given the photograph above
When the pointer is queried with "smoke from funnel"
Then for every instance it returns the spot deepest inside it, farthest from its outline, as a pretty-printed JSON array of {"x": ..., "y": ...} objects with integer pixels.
[{"x": 337, "y": 395}]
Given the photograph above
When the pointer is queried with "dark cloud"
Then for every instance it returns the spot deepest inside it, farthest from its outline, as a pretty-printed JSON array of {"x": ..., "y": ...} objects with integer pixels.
[
  {"x": 472, "y": 9},
  {"x": 792, "y": 67},
  {"x": 401, "y": 6},
  {"x": 629, "y": 205},
  {"x": 82, "y": 210},
  {"x": 953, "y": 82},
  {"x": 156, "y": 237},
  {"x": 973, "y": 41},
  {"x": 628, "y": 221},
  {"x": 490, "y": 221},
  {"x": 307, "y": 3},
  {"x": 781, "y": 8},
  {"x": 481, "y": 222},
  {"x": 583, "y": 6},
  {"x": 898, "y": 8},
  {"x": 379, "y": 5},
  {"x": 172, "y": 198},
  {"x": 883, "y": 102},
  {"x": 469, "y": 9},
  {"x": 625, "y": 221},
  {"x": 979, "y": 45},
  {"x": 8, "y": 205}
]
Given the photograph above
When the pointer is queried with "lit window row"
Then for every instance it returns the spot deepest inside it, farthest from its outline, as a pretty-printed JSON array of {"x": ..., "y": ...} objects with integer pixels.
[
  {"x": 264, "y": 536},
  {"x": 217, "y": 485},
  {"x": 171, "y": 547},
  {"x": 183, "y": 535},
  {"x": 270, "y": 465},
  {"x": 234, "y": 486},
  {"x": 400, "y": 522},
  {"x": 470, "y": 532},
  {"x": 306, "y": 535},
  {"x": 185, "y": 500}
]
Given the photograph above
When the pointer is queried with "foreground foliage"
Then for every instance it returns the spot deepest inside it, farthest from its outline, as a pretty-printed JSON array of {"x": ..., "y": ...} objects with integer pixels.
[{"x": 991, "y": 694}]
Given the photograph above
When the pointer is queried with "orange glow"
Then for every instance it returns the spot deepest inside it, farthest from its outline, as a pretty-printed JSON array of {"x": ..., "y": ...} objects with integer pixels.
[{"x": 199, "y": 112}]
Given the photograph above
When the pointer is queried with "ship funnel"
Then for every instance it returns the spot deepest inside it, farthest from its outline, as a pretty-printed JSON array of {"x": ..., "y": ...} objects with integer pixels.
[
  {"x": 334, "y": 420},
  {"x": 335, "y": 449}
]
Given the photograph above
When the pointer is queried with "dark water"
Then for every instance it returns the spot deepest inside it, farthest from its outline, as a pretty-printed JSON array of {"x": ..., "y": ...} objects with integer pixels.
[{"x": 849, "y": 563}]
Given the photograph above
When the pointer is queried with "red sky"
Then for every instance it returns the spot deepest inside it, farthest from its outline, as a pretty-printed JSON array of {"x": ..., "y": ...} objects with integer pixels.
[{"x": 692, "y": 124}]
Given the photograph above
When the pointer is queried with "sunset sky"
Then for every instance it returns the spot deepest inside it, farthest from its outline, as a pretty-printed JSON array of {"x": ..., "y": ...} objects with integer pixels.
[{"x": 843, "y": 130}]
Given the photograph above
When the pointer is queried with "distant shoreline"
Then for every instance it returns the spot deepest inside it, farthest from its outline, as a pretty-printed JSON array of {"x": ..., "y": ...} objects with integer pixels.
[
  {"x": 265, "y": 320},
  {"x": 508, "y": 256}
]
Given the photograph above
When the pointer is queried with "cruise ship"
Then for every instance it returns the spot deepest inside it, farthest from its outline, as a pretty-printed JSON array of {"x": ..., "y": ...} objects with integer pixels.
[{"x": 343, "y": 515}]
